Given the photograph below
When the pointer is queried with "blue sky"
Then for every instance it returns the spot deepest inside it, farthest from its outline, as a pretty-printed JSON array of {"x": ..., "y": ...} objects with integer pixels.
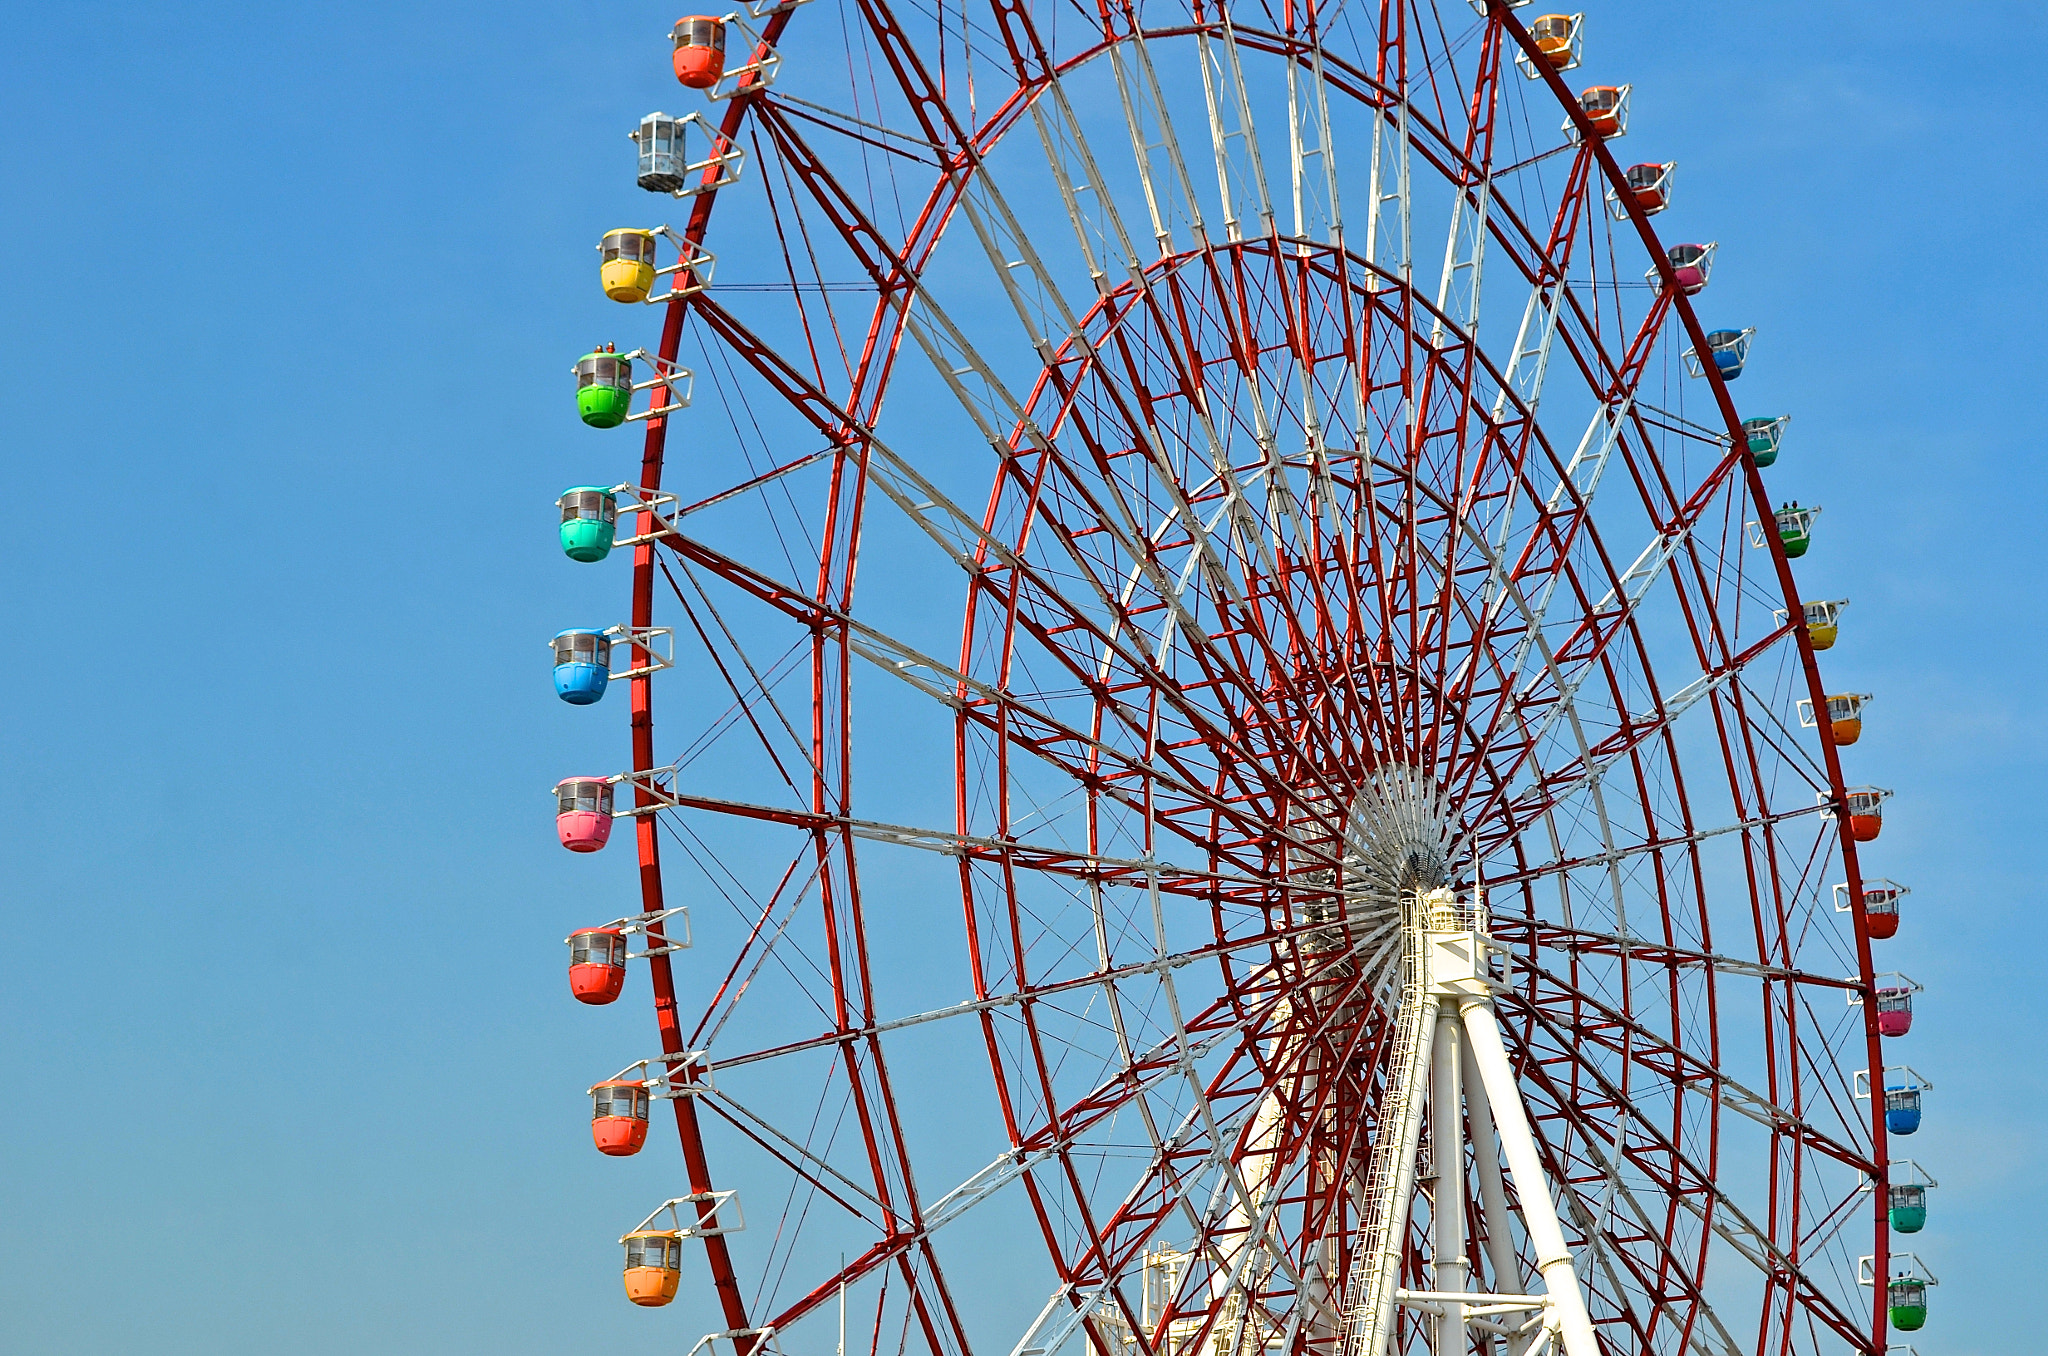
[{"x": 286, "y": 1057}]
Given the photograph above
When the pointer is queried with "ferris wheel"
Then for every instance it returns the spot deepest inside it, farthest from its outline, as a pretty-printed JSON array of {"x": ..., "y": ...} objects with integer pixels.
[{"x": 1226, "y": 753}]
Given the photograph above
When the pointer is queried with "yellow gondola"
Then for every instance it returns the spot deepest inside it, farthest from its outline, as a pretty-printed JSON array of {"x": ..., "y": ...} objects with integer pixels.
[{"x": 627, "y": 271}]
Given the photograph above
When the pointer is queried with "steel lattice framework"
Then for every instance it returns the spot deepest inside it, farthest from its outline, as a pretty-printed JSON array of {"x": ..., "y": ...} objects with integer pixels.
[{"x": 1249, "y": 575}]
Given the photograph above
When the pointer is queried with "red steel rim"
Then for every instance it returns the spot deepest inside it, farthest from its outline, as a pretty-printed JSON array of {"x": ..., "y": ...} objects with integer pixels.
[{"x": 831, "y": 602}]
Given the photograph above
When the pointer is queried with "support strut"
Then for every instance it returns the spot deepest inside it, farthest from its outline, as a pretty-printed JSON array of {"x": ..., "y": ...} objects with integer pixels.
[{"x": 1451, "y": 1063}]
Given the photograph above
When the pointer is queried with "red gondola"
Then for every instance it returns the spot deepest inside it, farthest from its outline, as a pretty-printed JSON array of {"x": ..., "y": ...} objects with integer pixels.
[
  {"x": 618, "y": 1116},
  {"x": 1650, "y": 185},
  {"x": 1866, "y": 812},
  {"x": 1881, "y": 909},
  {"x": 597, "y": 964}
]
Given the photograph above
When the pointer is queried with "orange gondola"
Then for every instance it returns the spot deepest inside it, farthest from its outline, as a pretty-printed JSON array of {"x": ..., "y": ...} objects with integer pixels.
[
  {"x": 1557, "y": 37},
  {"x": 1606, "y": 108},
  {"x": 654, "y": 1266},
  {"x": 1845, "y": 716}
]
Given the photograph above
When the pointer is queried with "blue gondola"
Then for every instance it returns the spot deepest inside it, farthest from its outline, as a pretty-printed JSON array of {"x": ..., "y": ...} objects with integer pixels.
[
  {"x": 583, "y": 665},
  {"x": 1901, "y": 1110},
  {"x": 1731, "y": 350}
]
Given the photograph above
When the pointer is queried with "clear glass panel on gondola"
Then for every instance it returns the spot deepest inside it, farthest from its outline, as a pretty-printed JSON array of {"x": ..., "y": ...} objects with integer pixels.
[
  {"x": 630, "y": 245},
  {"x": 583, "y": 647},
  {"x": 653, "y": 1249},
  {"x": 587, "y": 503},
  {"x": 598, "y": 946},
  {"x": 585, "y": 795},
  {"x": 621, "y": 1099},
  {"x": 664, "y": 162}
]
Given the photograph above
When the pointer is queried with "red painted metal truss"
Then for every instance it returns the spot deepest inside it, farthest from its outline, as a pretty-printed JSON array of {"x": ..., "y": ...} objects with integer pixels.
[{"x": 1202, "y": 506}]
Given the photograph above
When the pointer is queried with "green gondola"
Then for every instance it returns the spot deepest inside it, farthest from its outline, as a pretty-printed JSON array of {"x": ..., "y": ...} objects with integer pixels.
[
  {"x": 1763, "y": 436},
  {"x": 1907, "y": 1299},
  {"x": 1795, "y": 528},
  {"x": 590, "y": 522},
  {"x": 604, "y": 388},
  {"x": 1908, "y": 1209}
]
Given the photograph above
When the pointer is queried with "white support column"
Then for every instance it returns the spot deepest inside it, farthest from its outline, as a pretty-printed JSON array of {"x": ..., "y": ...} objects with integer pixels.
[
  {"x": 1493, "y": 1195},
  {"x": 1539, "y": 1210},
  {"x": 1447, "y": 1210}
]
